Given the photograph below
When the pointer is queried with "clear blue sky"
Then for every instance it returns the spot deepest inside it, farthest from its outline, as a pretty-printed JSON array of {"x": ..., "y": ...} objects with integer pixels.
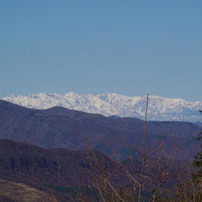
[{"x": 128, "y": 47}]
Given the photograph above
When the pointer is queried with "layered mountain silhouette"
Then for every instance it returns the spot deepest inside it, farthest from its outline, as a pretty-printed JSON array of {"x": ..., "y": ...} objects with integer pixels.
[
  {"x": 57, "y": 153},
  {"x": 59, "y": 127}
]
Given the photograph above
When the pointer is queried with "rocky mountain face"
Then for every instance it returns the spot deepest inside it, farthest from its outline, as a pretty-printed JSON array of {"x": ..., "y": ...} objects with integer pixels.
[{"x": 112, "y": 104}]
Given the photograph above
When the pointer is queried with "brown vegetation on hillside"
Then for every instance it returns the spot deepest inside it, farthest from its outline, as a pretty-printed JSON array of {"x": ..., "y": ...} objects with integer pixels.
[{"x": 22, "y": 193}]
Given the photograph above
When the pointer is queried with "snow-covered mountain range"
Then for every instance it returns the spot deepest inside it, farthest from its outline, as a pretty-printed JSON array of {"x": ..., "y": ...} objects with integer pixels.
[{"x": 109, "y": 104}]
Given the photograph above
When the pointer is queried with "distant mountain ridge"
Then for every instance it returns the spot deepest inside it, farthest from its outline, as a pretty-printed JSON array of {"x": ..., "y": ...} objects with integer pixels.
[
  {"x": 59, "y": 127},
  {"x": 112, "y": 104}
]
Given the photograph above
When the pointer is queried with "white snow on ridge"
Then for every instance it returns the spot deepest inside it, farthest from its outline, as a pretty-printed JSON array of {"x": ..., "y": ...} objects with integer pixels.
[{"x": 108, "y": 104}]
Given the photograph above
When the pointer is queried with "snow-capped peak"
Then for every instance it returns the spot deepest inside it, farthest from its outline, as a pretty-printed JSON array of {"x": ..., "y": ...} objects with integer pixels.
[{"x": 109, "y": 104}]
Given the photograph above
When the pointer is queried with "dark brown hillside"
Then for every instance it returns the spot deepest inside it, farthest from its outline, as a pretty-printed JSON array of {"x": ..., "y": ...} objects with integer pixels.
[
  {"x": 59, "y": 127},
  {"x": 30, "y": 168},
  {"x": 54, "y": 166},
  {"x": 37, "y": 167}
]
